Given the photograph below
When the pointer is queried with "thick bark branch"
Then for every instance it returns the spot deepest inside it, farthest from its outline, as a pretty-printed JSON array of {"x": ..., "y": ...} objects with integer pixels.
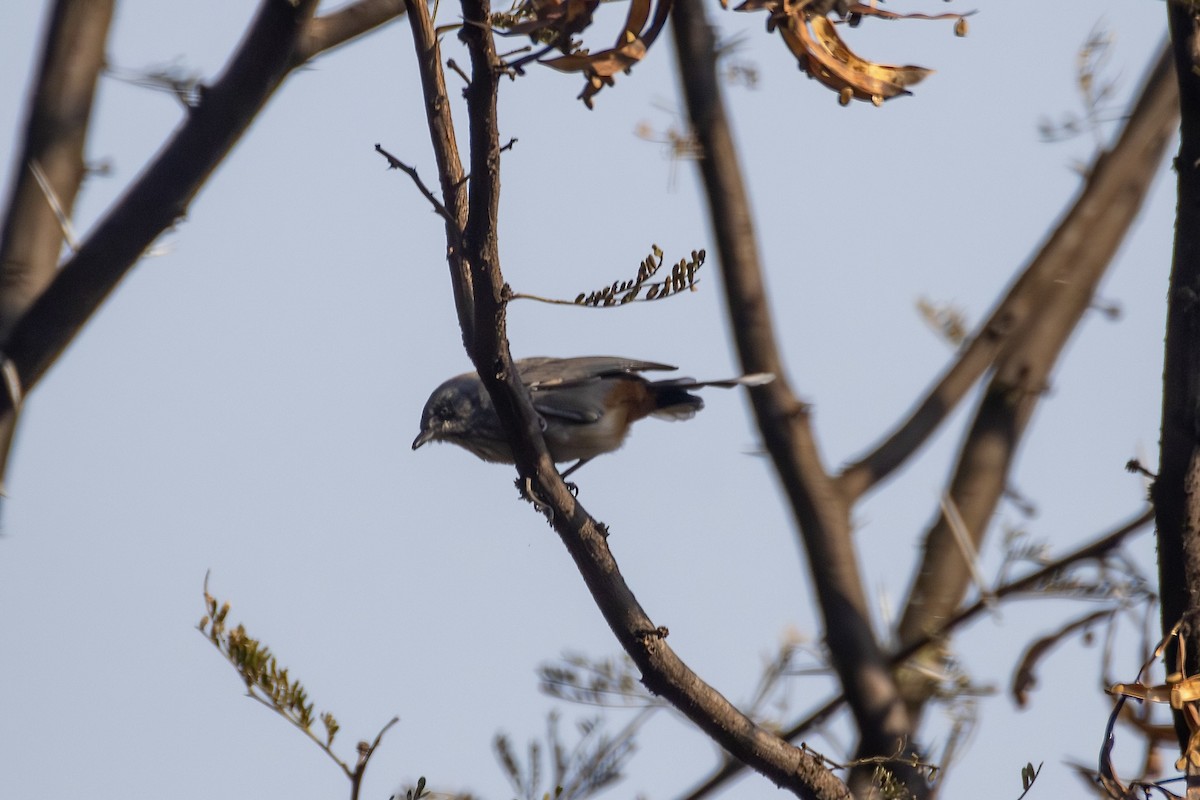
[
  {"x": 663, "y": 673},
  {"x": 161, "y": 194},
  {"x": 60, "y": 109},
  {"x": 447, "y": 158},
  {"x": 164, "y": 190},
  {"x": 822, "y": 513},
  {"x": 344, "y": 25},
  {"x": 1177, "y": 489},
  {"x": 1010, "y": 317},
  {"x": 1077, "y": 255}
]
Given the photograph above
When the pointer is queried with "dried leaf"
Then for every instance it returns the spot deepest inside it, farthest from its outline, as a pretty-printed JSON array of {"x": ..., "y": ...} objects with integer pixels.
[
  {"x": 560, "y": 18},
  {"x": 631, "y": 46},
  {"x": 873, "y": 11},
  {"x": 604, "y": 64},
  {"x": 820, "y": 51}
]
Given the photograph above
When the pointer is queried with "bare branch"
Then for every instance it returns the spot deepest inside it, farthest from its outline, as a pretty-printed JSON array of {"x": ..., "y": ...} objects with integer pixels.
[
  {"x": 1025, "y": 675},
  {"x": 347, "y": 23},
  {"x": 281, "y": 36},
  {"x": 445, "y": 152},
  {"x": 1077, "y": 255},
  {"x": 160, "y": 195},
  {"x": 49, "y": 168},
  {"x": 365, "y": 751},
  {"x": 480, "y": 282},
  {"x": 1096, "y": 549},
  {"x": 1105, "y": 223},
  {"x": 1175, "y": 489},
  {"x": 60, "y": 109},
  {"x": 411, "y": 172},
  {"x": 821, "y": 512}
]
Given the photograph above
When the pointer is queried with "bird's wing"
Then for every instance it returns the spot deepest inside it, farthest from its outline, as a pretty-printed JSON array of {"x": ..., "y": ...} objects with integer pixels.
[
  {"x": 570, "y": 389},
  {"x": 541, "y": 372},
  {"x": 575, "y": 404}
]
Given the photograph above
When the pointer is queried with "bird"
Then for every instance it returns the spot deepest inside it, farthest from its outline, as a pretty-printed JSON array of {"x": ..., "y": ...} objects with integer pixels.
[{"x": 586, "y": 404}]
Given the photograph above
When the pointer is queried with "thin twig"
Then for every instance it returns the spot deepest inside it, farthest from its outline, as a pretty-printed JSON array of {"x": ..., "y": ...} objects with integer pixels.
[
  {"x": 558, "y": 302},
  {"x": 306, "y": 731},
  {"x": 365, "y": 751},
  {"x": 452, "y": 64},
  {"x": 518, "y": 65},
  {"x": 962, "y": 537},
  {"x": 1154, "y": 112},
  {"x": 1092, "y": 550},
  {"x": 64, "y": 220},
  {"x": 395, "y": 163}
]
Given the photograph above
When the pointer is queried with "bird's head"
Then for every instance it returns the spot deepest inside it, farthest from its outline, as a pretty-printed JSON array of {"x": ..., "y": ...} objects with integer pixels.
[{"x": 460, "y": 412}]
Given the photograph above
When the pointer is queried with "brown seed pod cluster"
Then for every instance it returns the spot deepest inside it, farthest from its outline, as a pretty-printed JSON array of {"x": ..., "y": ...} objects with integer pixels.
[{"x": 812, "y": 37}]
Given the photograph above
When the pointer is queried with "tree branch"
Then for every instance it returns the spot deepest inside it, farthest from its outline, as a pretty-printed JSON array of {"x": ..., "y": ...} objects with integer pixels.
[
  {"x": 446, "y": 156},
  {"x": 56, "y": 129},
  {"x": 1077, "y": 254},
  {"x": 484, "y": 335},
  {"x": 343, "y": 26},
  {"x": 1096, "y": 549},
  {"x": 1025, "y": 297},
  {"x": 60, "y": 109},
  {"x": 161, "y": 194},
  {"x": 822, "y": 513},
  {"x": 164, "y": 190},
  {"x": 1176, "y": 491}
]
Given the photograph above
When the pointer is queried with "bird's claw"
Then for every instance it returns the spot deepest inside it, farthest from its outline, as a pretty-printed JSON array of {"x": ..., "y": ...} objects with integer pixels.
[{"x": 530, "y": 495}]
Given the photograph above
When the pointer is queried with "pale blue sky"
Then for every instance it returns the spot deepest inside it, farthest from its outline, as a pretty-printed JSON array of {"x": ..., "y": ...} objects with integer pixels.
[{"x": 245, "y": 404}]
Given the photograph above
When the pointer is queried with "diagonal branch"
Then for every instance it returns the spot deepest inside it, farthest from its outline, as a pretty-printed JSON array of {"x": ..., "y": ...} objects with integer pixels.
[
  {"x": 1094, "y": 550},
  {"x": 162, "y": 193},
  {"x": 60, "y": 109},
  {"x": 1079, "y": 252},
  {"x": 821, "y": 511},
  {"x": 663, "y": 673},
  {"x": 164, "y": 190},
  {"x": 1023, "y": 299},
  {"x": 344, "y": 25}
]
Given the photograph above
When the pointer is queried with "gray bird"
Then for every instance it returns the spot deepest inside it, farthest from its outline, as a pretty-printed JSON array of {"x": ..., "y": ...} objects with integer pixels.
[{"x": 586, "y": 404}]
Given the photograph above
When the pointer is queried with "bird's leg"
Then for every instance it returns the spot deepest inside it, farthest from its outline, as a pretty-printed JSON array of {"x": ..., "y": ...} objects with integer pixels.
[
  {"x": 575, "y": 466},
  {"x": 530, "y": 495}
]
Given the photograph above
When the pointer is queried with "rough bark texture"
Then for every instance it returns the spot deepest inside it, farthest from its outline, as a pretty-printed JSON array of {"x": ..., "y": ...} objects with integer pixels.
[
  {"x": 662, "y": 671},
  {"x": 821, "y": 511},
  {"x": 60, "y": 109},
  {"x": 1074, "y": 259},
  {"x": 281, "y": 36},
  {"x": 56, "y": 128},
  {"x": 1177, "y": 488}
]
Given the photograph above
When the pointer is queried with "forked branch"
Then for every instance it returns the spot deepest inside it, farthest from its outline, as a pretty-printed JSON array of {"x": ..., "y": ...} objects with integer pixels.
[
  {"x": 1094, "y": 210},
  {"x": 822, "y": 514},
  {"x": 1097, "y": 549},
  {"x": 663, "y": 673},
  {"x": 276, "y": 42}
]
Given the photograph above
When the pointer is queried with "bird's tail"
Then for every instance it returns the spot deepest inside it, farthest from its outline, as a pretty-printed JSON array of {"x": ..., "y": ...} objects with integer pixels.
[{"x": 673, "y": 400}]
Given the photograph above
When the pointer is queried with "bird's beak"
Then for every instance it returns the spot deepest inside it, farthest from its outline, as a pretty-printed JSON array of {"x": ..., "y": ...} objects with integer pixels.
[{"x": 422, "y": 438}]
